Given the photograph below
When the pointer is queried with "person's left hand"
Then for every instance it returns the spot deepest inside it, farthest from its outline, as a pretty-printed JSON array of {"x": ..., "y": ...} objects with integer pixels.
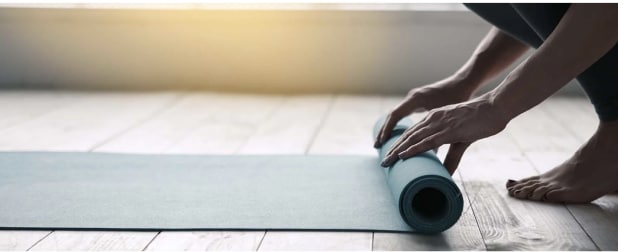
[{"x": 458, "y": 125}]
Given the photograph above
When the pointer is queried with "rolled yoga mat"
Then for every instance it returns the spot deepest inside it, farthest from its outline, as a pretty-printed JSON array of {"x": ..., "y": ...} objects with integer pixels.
[{"x": 99, "y": 191}]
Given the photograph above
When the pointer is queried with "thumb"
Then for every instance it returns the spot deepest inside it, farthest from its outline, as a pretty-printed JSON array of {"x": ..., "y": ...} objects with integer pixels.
[{"x": 453, "y": 156}]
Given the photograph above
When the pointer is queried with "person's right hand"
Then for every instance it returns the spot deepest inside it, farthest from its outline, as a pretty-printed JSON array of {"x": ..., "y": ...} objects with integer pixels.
[{"x": 445, "y": 92}]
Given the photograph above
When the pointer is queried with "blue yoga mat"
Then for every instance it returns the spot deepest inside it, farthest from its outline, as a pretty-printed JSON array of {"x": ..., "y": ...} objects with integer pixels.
[{"x": 101, "y": 191}]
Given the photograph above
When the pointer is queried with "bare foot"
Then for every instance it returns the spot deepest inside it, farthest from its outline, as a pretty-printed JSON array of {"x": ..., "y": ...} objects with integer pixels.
[{"x": 589, "y": 174}]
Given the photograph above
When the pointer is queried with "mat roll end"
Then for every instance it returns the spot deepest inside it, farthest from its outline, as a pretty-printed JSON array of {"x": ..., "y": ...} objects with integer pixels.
[{"x": 431, "y": 204}]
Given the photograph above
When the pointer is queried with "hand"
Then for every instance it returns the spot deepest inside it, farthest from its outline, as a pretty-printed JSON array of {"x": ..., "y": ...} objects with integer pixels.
[
  {"x": 445, "y": 92},
  {"x": 457, "y": 124}
]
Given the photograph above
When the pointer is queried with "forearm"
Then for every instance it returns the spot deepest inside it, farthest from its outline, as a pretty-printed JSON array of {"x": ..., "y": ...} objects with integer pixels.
[
  {"x": 585, "y": 34},
  {"x": 495, "y": 52}
]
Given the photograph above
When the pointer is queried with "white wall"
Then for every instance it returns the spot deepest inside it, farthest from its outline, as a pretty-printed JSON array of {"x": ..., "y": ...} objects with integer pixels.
[{"x": 358, "y": 51}]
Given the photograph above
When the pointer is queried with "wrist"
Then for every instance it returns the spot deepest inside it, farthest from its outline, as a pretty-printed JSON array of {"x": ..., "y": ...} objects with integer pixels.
[
  {"x": 501, "y": 110},
  {"x": 464, "y": 83}
]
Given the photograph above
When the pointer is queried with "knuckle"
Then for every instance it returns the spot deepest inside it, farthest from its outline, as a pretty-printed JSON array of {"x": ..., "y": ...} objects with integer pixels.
[
  {"x": 432, "y": 114},
  {"x": 429, "y": 142},
  {"x": 412, "y": 93},
  {"x": 395, "y": 114}
]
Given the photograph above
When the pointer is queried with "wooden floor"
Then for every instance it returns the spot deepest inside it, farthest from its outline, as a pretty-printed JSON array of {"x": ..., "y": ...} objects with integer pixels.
[{"x": 211, "y": 123}]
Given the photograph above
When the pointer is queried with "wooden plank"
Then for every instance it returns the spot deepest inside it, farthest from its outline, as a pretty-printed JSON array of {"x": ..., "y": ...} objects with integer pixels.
[
  {"x": 599, "y": 219},
  {"x": 276, "y": 241},
  {"x": 235, "y": 119},
  {"x": 206, "y": 241},
  {"x": 533, "y": 131},
  {"x": 507, "y": 223},
  {"x": 80, "y": 126},
  {"x": 464, "y": 235},
  {"x": 95, "y": 240},
  {"x": 348, "y": 126},
  {"x": 31, "y": 104},
  {"x": 213, "y": 123},
  {"x": 541, "y": 139},
  {"x": 20, "y": 240},
  {"x": 575, "y": 114},
  {"x": 291, "y": 128}
]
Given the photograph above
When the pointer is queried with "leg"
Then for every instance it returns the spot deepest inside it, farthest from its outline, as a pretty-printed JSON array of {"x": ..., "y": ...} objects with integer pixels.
[
  {"x": 591, "y": 172},
  {"x": 505, "y": 17}
]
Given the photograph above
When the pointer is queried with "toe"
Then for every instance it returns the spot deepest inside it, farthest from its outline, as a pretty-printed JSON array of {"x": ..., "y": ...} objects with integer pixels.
[
  {"x": 525, "y": 191},
  {"x": 519, "y": 186},
  {"x": 511, "y": 183},
  {"x": 528, "y": 179},
  {"x": 539, "y": 193},
  {"x": 559, "y": 195}
]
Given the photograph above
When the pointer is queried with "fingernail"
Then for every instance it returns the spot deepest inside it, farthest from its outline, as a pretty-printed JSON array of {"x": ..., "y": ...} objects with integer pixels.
[{"x": 383, "y": 163}]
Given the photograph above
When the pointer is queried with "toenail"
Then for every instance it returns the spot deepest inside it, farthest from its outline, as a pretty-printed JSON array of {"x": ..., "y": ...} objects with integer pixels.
[{"x": 510, "y": 181}]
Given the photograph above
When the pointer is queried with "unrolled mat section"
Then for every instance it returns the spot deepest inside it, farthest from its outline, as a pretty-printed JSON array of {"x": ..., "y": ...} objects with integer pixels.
[{"x": 102, "y": 191}]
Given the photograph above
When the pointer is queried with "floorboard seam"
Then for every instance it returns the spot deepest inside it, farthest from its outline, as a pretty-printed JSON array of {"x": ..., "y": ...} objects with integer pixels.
[
  {"x": 582, "y": 227},
  {"x": 478, "y": 227},
  {"x": 555, "y": 119},
  {"x": 40, "y": 240},
  {"x": 261, "y": 241},
  {"x": 323, "y": 119},
  {"x": 270, "y": 114},
  {"x": 14, "y": 125},
  {"x": 151, "y": 240},
  {"x": 158, "y": 111}
]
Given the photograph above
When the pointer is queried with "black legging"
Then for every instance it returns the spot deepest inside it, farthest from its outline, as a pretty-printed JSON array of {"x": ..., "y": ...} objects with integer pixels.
[{"x": 533, "y": 23}]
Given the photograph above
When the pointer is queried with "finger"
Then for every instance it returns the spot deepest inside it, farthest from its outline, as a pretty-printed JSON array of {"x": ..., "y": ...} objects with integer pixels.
[
  {"x": 391, "y": 156},
  {"x": 425, "y": 145},
  {"x": 385, "y": 131},
  {"x": 411, "y": 139},
  {"x": 389, "y": 160},
  {"x": 453, "y": 156},
  {"x": 420, "y": 125}
]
